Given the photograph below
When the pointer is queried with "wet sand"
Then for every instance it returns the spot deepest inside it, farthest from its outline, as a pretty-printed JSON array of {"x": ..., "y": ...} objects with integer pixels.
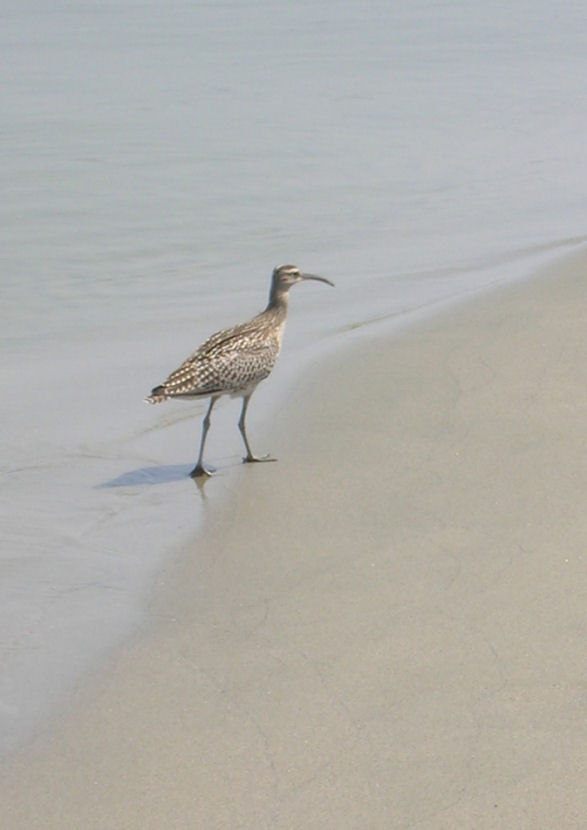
[{"x": 387, "y": 628}]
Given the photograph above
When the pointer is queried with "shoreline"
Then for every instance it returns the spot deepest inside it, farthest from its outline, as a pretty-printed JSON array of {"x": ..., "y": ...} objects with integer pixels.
[
  {"x": 387, "y": 622},
  {"x": 93, "y": 550}
]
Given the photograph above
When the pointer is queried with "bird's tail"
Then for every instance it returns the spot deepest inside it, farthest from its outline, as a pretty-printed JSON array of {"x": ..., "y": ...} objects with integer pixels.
[{"x": 158, "y": 395}]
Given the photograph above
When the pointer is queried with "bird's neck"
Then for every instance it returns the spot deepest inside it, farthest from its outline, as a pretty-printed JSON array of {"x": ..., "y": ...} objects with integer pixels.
[{"x": 278, "y": 302}]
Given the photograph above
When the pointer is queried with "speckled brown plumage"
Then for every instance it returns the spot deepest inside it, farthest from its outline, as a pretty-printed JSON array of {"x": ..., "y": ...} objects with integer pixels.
[
  {"x": 235, "y": 360},
  {"x": 228, "y": 363}
]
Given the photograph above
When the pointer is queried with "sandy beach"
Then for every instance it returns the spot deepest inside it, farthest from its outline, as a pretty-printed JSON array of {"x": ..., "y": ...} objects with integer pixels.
[{"x": 387, "y": 628}]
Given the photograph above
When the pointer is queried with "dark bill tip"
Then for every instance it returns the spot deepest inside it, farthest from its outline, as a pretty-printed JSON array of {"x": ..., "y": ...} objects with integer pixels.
[{"x": 318, "y": 279}]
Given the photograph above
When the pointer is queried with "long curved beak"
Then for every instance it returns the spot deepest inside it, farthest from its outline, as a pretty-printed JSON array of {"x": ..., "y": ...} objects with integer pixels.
[{"x": 314, "y": 277}]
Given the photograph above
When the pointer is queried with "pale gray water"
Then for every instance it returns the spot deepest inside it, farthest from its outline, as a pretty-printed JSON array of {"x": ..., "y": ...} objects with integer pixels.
[{"x": 158, "y": 160}]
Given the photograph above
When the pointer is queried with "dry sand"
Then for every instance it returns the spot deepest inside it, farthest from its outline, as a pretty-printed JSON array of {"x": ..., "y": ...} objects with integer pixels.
[{"x": 386, "y": 629}]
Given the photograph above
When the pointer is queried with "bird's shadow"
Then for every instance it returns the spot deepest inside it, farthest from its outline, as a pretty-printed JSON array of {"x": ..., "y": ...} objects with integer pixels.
[
  {"x": 167, "y": 474},
  {"x": 147, "y": 476}
]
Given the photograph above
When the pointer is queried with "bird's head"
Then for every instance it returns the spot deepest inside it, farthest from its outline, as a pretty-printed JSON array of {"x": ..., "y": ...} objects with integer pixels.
[{"x": 284, "y": 276}]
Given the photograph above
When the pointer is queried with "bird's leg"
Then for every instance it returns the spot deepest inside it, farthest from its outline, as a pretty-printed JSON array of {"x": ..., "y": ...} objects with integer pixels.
[
  {"x": 241, "y": 425},
  {"x": 199, "y": 469}
]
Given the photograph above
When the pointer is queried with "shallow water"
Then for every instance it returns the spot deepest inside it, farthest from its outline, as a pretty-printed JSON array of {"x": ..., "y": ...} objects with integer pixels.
[{"x": 159, "y": 160}]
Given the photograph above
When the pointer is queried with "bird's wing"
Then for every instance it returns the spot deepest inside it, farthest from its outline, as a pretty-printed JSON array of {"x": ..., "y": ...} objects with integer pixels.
[
  {"x": 241, "y": 334},
  {"x": 223, "y": 366}
]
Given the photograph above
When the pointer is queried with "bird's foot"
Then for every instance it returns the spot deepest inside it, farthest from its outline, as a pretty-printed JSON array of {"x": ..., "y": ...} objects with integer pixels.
[
  {"x": 200, "y": 471},
  {"x": 250, "y": 459}
]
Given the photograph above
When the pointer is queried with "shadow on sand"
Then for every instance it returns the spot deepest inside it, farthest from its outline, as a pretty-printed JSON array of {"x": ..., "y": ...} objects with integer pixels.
[{"x": 150, "y": 475}]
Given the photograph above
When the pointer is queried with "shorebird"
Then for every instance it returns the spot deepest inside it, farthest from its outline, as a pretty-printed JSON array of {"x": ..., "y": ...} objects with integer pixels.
[{"x": 235, "y": 360}]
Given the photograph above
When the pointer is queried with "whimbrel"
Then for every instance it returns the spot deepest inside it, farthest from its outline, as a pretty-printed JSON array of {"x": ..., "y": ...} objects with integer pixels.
[{"x": 234, "y": 361}]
